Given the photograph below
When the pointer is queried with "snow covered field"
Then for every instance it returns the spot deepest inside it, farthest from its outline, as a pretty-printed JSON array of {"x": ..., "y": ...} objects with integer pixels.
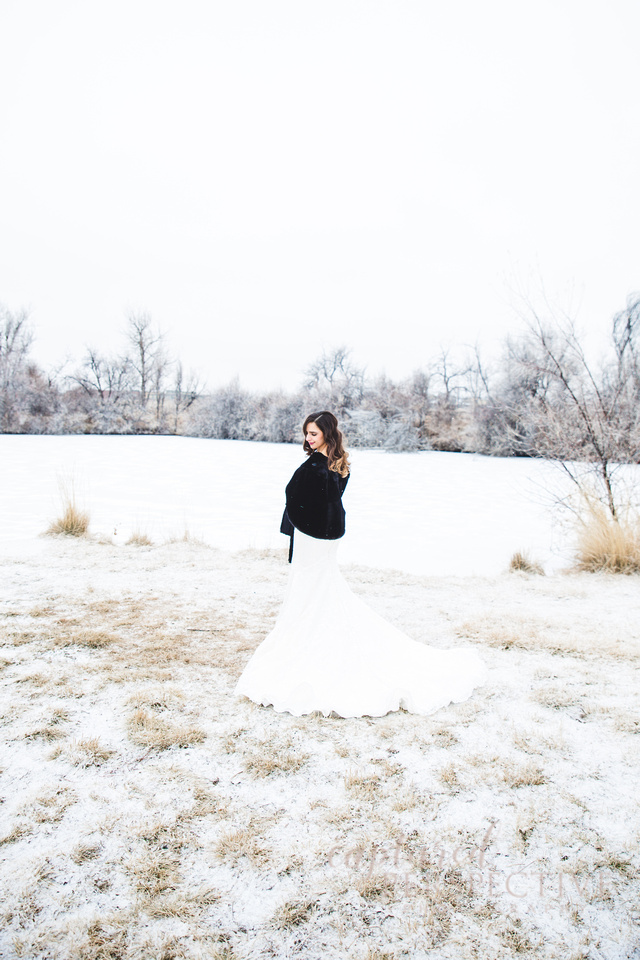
[
  {"x": 427, "y": 513},
  {"x": 148, "y": 814}
]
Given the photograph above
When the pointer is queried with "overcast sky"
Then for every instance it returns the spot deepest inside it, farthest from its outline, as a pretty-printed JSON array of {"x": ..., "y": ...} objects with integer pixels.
[{"x": 270, "y": 177}]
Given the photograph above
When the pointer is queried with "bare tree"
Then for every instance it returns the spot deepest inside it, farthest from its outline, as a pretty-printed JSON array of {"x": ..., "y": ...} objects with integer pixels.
[
  {"x": 622, "y": 385},
  {"x": 185, "y": 393},
  {"x": 335, "y": 380},
  {"x": 109, "y": 379},
  {"x": 15, "y": 342},
  {"x": 578, "y": 414},
  {"x": 147, "y": 356},
  {"x": 159, "y": 372}
]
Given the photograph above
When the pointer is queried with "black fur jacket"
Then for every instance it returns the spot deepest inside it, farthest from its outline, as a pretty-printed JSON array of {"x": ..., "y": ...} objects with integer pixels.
[{"x": 314, "y": 501}]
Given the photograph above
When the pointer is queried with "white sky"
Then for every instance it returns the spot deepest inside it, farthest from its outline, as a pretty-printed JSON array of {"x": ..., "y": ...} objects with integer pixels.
[{"x": 270, "y": 177}]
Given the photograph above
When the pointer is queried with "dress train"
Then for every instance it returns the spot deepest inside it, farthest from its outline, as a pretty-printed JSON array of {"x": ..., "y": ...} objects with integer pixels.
[{"x": 330, "y": 652}]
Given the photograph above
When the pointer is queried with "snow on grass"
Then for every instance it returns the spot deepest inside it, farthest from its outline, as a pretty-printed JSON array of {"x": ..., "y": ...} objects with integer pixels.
[{"x": 148, "y": 813}]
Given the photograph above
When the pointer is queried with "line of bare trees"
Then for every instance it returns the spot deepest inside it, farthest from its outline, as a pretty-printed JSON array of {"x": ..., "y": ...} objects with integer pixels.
[
  {"x": 542, "y": 397},
  {"x": 140, "y": 390}
]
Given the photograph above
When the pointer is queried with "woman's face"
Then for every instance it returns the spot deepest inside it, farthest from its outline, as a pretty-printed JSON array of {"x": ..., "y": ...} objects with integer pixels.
[{"x": 315, "y": 437}]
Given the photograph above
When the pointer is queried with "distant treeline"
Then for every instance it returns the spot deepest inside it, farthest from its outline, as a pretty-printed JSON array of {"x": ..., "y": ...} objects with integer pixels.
[{"x": 541, "y": 397}]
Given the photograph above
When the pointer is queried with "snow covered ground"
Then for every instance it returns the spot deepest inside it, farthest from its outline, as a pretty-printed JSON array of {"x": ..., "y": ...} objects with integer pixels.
[
  {"x": 146, "y": 813},
  {"x": 425, "y": 513}
]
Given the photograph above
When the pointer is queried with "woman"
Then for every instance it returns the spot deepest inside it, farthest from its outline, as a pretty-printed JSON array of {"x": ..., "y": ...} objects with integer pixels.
[{"x": 329, "y": 651}]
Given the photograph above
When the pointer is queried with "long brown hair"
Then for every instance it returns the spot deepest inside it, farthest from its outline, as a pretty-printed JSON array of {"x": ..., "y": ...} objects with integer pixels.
[{"x": 336, "y": 453}]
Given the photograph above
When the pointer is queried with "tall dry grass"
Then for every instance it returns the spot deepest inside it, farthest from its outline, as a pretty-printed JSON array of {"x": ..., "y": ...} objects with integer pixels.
[
  {"x": 73, "y": 522},
  {"x": 608, "y": 545},
  {"x": 521, "y": 562}
]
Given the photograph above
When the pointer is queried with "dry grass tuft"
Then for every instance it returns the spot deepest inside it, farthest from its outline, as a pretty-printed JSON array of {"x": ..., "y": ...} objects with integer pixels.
[
  {"x": 47, "y": 732},
  {"x": 44, "y": 611},
  {"x": 73, "y": 522},
  {"x": 156, "y": 871},
  {"x": 527, "y": 774},
  {"x": 292, "y": 913},
  {"x": 265, "y": 764},
  {"x": 522, "y": 563},
  {"x": 372, "y": 887},
  {"x": 188, "y": 537},
  {"x": 139, "y": 539},
  {"x": 85, "y": 851},
  {"x": 93, "y": 639},
  {"x": 158, "y": 696},
  {"x": 207, "y": 804},
  {"x": 88, "y": 752},
  {"x": 243, "y": 842},
  {"x": 445, "y": 738},
  {"x": 363, "y": 786},
  {"x": 146, "y": 729},
  {"x": 556, "y": 696},
  {"x": 449, "y": 776},
  {"x": 50, "y": 805},
  {"x": 224, "y": 952},
  {"x": 608, "y": 545},
  {"x": 180, "y": 906},
  {"x": 406, "y": 799},
  {"x": 104, "y": 941},
  {"x": 16, "y": 833},
  {"x": 516, "y": 939}
]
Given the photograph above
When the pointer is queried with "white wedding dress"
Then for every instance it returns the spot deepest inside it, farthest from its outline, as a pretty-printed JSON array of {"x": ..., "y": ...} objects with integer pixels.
[{"x": 330, "y": 652}]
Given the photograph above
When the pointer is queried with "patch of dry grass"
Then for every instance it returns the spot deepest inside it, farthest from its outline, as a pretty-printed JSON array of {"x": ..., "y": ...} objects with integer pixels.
[
  {"x": 363, "y": 786},
  {"x": 50, "y": 805},
  {"x": 85, "y": 851},
  {"x": 445, "y": 738},
  {"x": 236, "y": 844},
  {"x": 139, "y": 539},
  {"x": 188, "y": 537},
  {"x": 449, "y": 776},
  {"x": 608, "y": 545},
  {"x": 292, "y": 913},
  {"x": 45, "y": 610},
  {"x": 375, "y": 886},
  {"x": 626, "y": 722},
  {"x": 16, "y": 833},
  {"x": 521, "y": 562},
  {"x": 540, "y": 635},
  {"x": 207, "y": 804},
  {"x": 92, "y": 639},
  {"x": 525, "y": 774},
  {"x": 491, "y": 770},
  {"x": 554, "y": 695},
  {"x": 73, "y": 522},
  {"x": 104, "y": 939},
  {"x": 156, "y": 869},
  {"x": 147, "y": 729},
  {"x": 46, "y": 731},
  {"x": 87, "y": 752},
  {"x": 157, "y": 696},
  {"x": 274, "y": 761},
  {"x": 406, "y": 799}
]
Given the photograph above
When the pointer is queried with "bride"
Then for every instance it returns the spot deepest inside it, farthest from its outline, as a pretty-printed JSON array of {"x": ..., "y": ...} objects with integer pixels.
[{"x": 329, "y": 651}]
